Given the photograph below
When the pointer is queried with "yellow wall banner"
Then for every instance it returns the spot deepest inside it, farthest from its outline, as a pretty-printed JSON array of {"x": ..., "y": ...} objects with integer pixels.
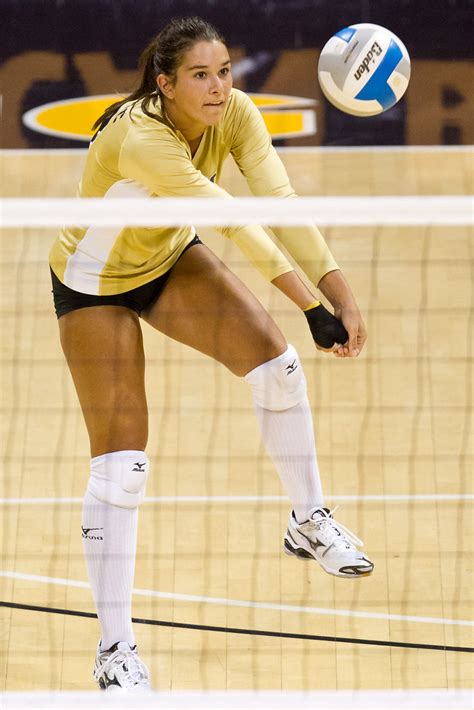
[{"x": 285, "y": 116}]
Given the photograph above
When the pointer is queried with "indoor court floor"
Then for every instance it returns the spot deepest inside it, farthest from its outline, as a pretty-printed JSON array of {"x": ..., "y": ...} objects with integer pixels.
[{"x": 218, "y": 605}]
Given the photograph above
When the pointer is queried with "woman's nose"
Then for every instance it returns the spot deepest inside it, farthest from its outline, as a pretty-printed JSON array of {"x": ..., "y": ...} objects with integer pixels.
[{"x": 216, "y": 85}]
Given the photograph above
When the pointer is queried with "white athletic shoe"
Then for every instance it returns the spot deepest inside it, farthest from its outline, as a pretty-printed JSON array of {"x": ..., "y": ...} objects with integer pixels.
[
  {"x": 331, "y": 544},
  {"x": 120, "y": 669}
]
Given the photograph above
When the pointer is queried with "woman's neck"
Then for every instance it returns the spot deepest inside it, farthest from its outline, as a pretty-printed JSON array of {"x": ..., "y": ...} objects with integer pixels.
[
  {"x": 193, "y": 133},
  {"x": 194, "y": 144}
]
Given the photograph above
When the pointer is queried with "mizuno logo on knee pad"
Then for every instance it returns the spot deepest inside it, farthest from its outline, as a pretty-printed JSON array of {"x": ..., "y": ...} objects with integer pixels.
[
  {"x": 139, "y": 466},
  {"x": 271, "y": 386}
]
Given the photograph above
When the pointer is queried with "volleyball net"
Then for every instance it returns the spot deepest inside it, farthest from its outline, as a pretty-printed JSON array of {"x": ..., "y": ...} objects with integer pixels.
[
  {"x": 456, "y": 210},
  {"x": 380, "y": 433},
  {"x": 179, "y": 700}
]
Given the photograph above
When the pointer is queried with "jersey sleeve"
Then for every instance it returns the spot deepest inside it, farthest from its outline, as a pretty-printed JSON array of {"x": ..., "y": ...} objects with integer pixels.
[
  {"x": 157, "y": 159},
  {"x": 266, "y": 176}
]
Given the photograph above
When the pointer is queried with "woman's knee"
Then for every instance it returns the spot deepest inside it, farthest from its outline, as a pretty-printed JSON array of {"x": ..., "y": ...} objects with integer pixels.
[{"x": 279, "y": 383}]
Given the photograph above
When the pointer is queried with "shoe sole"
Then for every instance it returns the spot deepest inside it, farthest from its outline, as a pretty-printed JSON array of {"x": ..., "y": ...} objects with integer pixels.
[{"x": 301, "y": 554}]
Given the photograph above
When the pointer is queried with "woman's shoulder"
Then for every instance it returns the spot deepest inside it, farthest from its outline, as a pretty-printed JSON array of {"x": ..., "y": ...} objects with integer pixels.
[
  {"x": 137, "y": 118},
  {"x": 240, "y": 108},
  {"x": 147, "y": 126},
  {"x": 239, "y": 100},
  {"x": 147, "y": 115}
]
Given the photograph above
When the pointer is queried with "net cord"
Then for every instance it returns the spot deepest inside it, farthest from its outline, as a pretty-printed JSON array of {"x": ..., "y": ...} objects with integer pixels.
[{"x": 453, "y": 210}]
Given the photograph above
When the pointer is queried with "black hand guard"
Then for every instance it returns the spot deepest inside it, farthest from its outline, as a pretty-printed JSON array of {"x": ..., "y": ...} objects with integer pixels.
[{"x": 325, "y": 328}]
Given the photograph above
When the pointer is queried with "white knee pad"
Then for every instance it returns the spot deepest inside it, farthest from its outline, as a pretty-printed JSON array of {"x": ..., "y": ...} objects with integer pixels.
[
  {"x": 119, "y": 478},
  {"x": 279, "y": 383}
]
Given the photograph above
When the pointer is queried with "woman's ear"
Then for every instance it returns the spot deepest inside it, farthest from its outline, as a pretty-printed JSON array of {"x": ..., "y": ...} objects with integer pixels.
[{"x": 165, "y": 86}]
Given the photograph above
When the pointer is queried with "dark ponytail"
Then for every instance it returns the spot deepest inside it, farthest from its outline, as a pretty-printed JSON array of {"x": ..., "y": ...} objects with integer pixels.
[{"x": 163, "y": 56}]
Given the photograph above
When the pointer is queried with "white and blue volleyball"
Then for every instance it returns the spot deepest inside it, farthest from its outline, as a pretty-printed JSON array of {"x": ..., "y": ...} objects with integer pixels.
[{"x": 364, "y": 69}]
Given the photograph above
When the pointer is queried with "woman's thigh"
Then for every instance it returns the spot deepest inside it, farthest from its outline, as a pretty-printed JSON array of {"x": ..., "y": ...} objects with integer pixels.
[
  {"x": 104, "y": 350},
  {"x": 206, "y": 306}
]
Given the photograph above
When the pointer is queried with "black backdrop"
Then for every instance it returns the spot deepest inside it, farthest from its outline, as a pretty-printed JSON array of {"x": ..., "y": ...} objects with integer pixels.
[{"x": 430, "y": 29}]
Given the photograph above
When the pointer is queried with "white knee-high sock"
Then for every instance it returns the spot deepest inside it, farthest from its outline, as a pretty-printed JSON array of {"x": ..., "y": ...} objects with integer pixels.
[
  {"x": 109, "y": 536},
  {"x": 289, "y": 440},
  {"x": 287, "y": 433}
]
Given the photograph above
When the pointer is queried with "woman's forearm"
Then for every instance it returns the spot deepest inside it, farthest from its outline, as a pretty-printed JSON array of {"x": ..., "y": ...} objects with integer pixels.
[
  {"x": 333, "y": 285},
  {"x": 293, "y": 287}
]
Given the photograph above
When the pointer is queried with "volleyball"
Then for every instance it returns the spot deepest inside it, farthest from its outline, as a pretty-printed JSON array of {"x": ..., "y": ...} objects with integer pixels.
[{"x": 364, "y": 69}]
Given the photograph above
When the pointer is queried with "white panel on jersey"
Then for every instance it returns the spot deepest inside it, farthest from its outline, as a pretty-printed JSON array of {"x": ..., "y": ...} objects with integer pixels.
[{"x": 85, "y": 266}]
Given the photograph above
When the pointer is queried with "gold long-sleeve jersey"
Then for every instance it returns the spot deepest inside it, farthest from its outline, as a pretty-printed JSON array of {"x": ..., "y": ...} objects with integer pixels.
[{"x": 136, "y": 155}]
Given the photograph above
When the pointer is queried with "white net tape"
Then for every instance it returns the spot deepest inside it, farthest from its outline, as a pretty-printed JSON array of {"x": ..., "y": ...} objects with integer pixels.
[{"x": 453, "y": 210}]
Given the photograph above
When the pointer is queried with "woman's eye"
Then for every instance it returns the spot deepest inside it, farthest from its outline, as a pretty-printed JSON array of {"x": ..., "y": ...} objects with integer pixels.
[
  {"x": 200, "y": 75},
  {"x": 225, "y": 71}
]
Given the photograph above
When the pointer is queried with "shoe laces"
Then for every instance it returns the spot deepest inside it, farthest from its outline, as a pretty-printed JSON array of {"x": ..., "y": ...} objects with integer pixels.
[
  {"x": 133, "y": 671},
  {"x": 334, "y": 533}
]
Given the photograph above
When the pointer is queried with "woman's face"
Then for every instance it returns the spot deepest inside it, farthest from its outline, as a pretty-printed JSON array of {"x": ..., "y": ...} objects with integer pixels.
[{"x": 199, "y": 94}]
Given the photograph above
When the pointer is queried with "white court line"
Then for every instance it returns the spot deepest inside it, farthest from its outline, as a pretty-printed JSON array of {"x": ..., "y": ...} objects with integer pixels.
[
  {"x": 222, "y": 601},
  {"x": 284, "y": 149},
  {"x": 376, "y": 149},
  {"x": 201, "y": 500}
]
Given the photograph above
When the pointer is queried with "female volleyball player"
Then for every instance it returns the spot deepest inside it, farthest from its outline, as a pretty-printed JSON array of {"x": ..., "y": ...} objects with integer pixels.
[{"x": 170, "y": 138}]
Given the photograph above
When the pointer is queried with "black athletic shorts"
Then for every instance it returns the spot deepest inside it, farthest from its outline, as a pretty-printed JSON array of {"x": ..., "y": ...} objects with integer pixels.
[{"x": 66, "y": 299}]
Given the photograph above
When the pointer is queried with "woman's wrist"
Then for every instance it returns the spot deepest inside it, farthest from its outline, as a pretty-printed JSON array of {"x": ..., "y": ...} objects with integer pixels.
[{"x": 314, "y": 304}]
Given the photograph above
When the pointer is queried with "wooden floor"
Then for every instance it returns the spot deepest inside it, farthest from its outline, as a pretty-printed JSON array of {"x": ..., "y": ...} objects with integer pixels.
[{"x": 394, "y": 441}]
